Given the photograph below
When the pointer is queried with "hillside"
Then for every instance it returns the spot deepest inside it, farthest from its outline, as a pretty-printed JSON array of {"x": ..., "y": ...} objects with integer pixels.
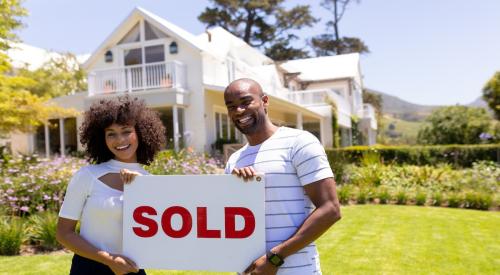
[{"x": 402, "y": 109}]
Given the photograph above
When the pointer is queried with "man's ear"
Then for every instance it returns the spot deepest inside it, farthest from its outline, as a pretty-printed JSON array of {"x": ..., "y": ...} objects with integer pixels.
[{"x": 265, "y": 100}]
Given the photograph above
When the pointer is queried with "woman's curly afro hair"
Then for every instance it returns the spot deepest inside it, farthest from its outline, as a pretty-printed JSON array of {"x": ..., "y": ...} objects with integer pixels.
[{"x": 124, "y": 111}]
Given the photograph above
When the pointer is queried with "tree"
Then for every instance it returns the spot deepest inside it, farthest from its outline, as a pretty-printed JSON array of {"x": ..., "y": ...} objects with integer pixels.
[
  {"x": 455, "y": 125},
  {"x": 264, "y": 24},
  {"x": 20, "y": 110},
  {"x": 333, "y": 43},
  {"x": 59, "y": 76},
  {"x": 491, "y": 94},
  {"x": 375, "y": 100}
]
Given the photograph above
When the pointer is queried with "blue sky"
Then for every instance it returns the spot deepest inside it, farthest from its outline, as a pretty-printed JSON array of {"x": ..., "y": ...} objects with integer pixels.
[{"x": 427, "y": 52}]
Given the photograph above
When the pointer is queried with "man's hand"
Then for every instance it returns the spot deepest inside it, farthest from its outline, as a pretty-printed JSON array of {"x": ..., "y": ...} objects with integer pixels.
[
  {"x": 120, "y": 264},
  {"x": 127, "y": 176},
  {"x": 261, "y": 266},
  {"x": 247, "y": 173}
]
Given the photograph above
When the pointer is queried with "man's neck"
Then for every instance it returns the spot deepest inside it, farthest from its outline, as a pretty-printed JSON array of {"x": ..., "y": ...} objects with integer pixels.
[{"x": 268, "y": 130}]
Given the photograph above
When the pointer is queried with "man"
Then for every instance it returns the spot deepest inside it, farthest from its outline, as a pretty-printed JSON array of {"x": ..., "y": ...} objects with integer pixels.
[{"x": 301, "y": 200}]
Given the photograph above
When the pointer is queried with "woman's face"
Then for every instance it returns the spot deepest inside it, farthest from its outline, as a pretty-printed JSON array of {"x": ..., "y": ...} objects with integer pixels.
[{"x": 122, "y": 142}]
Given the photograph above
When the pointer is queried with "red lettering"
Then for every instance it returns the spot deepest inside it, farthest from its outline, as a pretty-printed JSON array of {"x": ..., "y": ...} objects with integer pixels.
[
  {"x": 140, "y": 219},
  {"x": 166, "y": 222},
  {"x": 203, "y": 232},
  {"x": 230, "y": 221}
]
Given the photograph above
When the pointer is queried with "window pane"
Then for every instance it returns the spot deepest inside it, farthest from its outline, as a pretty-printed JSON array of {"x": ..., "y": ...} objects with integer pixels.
[
  {"x": 133, "y": 57},
  {"x": 134, "y": 35},
  {"x": 152, "y": 32},
  {"x": 224, "y": 126},
  {"x": 155, "y": 54},
  {"x": 217, "y": 125}
]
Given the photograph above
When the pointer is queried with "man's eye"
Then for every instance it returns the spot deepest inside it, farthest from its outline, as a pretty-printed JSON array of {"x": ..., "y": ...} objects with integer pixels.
[
  {"x": 111, "y": 135},
  {"x": 127, "y": 132}
]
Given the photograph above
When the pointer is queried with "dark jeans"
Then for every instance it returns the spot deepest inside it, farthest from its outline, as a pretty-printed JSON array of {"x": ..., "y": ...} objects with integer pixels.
[{"x": 84, "y": 266}]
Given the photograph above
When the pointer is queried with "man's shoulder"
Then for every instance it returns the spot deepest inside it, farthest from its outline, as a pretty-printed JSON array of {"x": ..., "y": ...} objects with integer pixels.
[
  {"x": 234, "y": 156},
  {"x": 299, "y": 136}
]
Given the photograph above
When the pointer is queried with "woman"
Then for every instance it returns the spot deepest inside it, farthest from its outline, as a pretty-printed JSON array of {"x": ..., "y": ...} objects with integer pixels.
[{"x": 119, "y": 135}]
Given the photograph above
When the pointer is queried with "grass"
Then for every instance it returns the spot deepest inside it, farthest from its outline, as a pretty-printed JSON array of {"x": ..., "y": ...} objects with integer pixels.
[
  {"x": 407, "y": 129},
  {"x": 371, "y": 239}
]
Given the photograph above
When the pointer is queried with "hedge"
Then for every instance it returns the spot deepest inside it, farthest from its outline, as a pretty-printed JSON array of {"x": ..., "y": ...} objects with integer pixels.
[{"x": 456, "y": 155}]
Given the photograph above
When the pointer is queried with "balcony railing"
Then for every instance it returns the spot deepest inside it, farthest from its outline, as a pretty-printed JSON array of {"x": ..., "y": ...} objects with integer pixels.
[
  {"x": 137, "y": 78},
  {"x": 368, "y": 111},
  {"x": 323, "y": 97}
]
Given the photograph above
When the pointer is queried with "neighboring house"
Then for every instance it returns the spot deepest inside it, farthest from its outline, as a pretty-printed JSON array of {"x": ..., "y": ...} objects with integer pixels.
[{"x": 183, "y": 77}]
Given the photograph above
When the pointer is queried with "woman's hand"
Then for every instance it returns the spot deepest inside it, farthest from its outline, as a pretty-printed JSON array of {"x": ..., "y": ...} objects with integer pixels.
[
  {"x": 127, "y": 176},
  {"x": 120, "y": 264}
]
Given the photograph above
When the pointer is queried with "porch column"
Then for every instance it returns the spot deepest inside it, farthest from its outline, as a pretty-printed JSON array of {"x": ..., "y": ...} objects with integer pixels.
[
  {"x": 176, "y": 127},
  {"x": 299, "y": 121},
  {"x": 61, "y": 135},
  {"x": 47, "y": 139}
]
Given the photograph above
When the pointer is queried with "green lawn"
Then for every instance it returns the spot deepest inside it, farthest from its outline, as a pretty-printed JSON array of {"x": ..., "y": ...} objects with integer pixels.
[{"x": 373, "y": 239}]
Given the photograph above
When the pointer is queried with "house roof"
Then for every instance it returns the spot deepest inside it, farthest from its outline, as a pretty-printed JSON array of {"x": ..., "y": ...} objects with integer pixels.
[
  {"x": 225, "y": 44},
  {"x": 160, "y": 23},
  {"x": 22, "y": 55},
  {"x": 325, "y": 68}
]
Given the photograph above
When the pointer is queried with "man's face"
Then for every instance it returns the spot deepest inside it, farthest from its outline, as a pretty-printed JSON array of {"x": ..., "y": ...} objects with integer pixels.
[{"x": 246, "y": 107}]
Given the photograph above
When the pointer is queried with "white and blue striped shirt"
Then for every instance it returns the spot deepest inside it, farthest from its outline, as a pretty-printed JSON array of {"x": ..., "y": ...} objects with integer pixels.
[{"x": 290, "y": 159}]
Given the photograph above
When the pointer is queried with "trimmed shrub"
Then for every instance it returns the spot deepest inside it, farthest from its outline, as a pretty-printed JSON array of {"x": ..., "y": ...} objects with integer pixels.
[
  {"x": 456, "y": 155},
  {"x": 475, "y": 200},
  {"x": 344, "y": 194},
  {"x": 401, "y": 197},
  {"x": 420, "y": 198},
  {"x": 12, "y": 235},
  {"x": 42, "y": 230},
  {"x": 437, "y": 199},
  {"x": 361, "y": 196},
  {"x": 454, "y": 200},
  {"x": 384, "y": 196}
]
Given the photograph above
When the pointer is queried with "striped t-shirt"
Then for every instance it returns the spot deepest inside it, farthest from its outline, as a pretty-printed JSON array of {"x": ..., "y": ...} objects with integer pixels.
[{"x": 290, "y": 159}]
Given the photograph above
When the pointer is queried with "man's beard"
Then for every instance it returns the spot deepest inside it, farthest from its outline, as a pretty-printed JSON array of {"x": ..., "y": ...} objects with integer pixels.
[{"x": 249, "y": 130}]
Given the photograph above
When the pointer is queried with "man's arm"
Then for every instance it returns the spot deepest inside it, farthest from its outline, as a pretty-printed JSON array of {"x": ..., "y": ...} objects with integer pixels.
[{"x": 323, "y": 195}]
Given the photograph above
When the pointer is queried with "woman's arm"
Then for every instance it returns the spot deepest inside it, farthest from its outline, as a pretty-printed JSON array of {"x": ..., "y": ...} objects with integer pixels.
[{"x": 67, "y": 236}]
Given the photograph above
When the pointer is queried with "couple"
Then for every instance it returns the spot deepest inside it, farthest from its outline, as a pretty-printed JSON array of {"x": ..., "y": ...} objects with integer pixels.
[{"x": 301, "y": 201}]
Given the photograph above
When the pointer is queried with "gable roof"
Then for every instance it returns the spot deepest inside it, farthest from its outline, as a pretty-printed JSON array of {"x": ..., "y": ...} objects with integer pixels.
[
  {"x": 160, "y": 23},
  {"x": 325, "y": 68},
  {"x": 225, "y": 44}
]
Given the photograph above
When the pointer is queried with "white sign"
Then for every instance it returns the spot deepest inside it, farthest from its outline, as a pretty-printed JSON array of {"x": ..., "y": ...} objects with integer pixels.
[{"x": 202, "y": 222}]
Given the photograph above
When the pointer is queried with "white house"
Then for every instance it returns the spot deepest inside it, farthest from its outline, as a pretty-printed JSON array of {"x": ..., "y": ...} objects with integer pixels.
[{"x": 183, "y": 76}]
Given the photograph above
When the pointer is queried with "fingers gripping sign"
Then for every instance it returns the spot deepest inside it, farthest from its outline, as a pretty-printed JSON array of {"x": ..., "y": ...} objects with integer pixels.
[
  {"x": 247, "y": 173},
  {"x": 127, "y": 176}
]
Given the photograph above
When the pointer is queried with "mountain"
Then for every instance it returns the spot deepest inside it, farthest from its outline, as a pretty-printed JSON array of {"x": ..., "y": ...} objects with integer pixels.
[
  {"x": 399, "y": 108},
  {"x": 479, "y": 102}
]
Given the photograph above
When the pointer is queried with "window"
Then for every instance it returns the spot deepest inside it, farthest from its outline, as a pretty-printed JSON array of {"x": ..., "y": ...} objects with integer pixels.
[
  {"x": 224, "y": 129},
  {"x": 133, "y": 57},
  {"x": 134, "y": 35},
  {"x": 155, "y": 54},
  {"x": 151, "y": 32}
]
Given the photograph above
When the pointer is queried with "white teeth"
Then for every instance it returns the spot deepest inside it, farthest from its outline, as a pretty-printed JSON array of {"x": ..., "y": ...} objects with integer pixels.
[
  {"x": 244, "y": 120},
  {"x": 122, "y": 147}
]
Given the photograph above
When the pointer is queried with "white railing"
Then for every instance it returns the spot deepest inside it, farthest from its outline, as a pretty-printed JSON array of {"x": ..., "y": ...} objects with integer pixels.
[
  {"x": 368, "y": 111},
  {"x": 137, "y": 77}
]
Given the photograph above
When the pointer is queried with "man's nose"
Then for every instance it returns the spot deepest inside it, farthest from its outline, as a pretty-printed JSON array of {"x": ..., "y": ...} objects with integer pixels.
[{"x": 240, "y": 109}]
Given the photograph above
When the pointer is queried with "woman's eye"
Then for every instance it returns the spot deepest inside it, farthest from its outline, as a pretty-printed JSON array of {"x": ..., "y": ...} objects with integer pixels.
[{"x": 110, "y": 135}]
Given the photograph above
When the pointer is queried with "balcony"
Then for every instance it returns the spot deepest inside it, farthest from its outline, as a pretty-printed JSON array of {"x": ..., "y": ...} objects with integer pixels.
[
  {"x": 159, "y": 75},
  {"x": 323, "y": 97}
]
